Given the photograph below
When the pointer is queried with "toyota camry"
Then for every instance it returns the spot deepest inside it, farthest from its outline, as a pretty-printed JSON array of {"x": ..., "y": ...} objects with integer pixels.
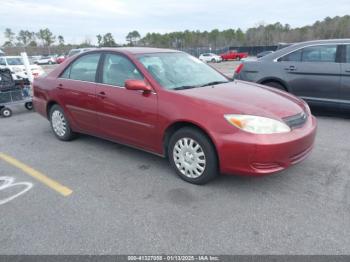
[{"x": 171, "y": 104}]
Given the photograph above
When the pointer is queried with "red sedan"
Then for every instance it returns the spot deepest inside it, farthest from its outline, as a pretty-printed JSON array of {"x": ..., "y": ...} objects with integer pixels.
[{"x": 171, "y": 104}]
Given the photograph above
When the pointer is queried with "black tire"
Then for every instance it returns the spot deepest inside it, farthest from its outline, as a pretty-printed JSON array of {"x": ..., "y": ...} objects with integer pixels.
[
  {"x": 213, "y": 60},
  {"x": 275, "y": 85},
  {"x": 6, "y": 112},
  {"x": 67, "y": 133},
  {"x": 211, "y": 163},
  {"x": 29, "y": 106}
]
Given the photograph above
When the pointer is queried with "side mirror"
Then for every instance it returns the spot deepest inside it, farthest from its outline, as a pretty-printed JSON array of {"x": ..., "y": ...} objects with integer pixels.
[{"x": 138, "y": 85}]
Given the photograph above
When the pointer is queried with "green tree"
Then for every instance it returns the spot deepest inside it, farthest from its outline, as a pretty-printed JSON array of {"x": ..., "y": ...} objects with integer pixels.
[
  {"x": 108, "y": 40},
  {"x": 99, "y": 40},
  {"x": 60, "y": 40},
  {"x": 133, "y": 37},
  {"x": 25, "y": 37},
  {"x": 10, "y": 36}
]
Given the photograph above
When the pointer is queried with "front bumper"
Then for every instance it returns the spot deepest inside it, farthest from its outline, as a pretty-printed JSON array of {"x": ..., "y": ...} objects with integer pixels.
[{"x": 253, "y": 155}]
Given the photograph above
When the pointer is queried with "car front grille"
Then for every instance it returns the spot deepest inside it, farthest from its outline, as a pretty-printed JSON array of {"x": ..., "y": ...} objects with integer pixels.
[{"x": 296, "y": 121}]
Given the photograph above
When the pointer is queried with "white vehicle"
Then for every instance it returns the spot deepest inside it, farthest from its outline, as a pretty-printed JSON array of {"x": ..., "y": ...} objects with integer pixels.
[
  {"x": 75, "y": 51},
  {"x": 209, "y": 57},
  {"x": 44, "y": 60},
  {"x": 16, "y": 65}
]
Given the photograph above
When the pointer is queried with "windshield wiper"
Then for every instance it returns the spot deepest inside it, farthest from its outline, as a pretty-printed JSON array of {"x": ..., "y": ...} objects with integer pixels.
[
  {"x": 184, "y": 87},
  {"x": 214, "y": 83}
]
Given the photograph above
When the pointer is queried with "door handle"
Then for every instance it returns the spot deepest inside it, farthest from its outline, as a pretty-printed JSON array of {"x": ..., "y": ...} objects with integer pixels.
[
  {"x": 291, "y": 68},
  {"x": 60, "y": 86},
  {"x": 101, "y": 94},
  {"x": 347, "y": 70}
]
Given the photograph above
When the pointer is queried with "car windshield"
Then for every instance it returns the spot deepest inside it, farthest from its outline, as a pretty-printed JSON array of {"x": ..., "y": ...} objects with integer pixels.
[
  {"x": 14, "y": 61},
  {"x": 180, "y": 70}
]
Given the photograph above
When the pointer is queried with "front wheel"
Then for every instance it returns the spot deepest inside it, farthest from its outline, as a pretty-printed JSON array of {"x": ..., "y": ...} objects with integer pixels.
[
  {"x": 60, "y": 125},
  {"x": 6, "y": 112},
  {"x": 193, "y": 156}
]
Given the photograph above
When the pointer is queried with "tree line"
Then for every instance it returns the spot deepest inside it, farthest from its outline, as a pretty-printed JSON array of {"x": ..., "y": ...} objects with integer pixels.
[{"x": 259, "y": 35}]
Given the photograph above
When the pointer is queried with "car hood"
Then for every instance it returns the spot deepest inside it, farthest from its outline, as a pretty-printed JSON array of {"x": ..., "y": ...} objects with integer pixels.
[{"x": 240, "y": 97}]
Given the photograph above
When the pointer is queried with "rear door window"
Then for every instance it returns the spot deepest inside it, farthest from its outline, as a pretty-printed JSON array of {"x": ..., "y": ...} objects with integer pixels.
[
  {"x": 347, "y": 58},
  {"x": 322, "y": 53},
  {"x": 83, "y": 69}
]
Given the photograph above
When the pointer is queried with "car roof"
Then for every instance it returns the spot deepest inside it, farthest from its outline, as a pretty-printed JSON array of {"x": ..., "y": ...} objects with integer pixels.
[
  {"x": 296, "y": 46},
  {"x": 12, "y": 56},
  {"x": 136, "y": 50}
]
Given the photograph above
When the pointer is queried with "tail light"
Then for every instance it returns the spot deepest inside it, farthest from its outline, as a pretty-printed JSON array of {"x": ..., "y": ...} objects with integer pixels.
[{"x": 239, "y": 68}]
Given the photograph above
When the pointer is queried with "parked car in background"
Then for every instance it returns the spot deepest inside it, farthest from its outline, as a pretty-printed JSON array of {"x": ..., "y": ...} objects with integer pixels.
[
  {"x": 171, "y": 104},
  {"x": 46, "y": 60},
  {"x": 317, "y": 71},
  {"x": 76, "y": 51},
  {"x": 233, "y": 55},
  {"x": 60, "y": 59},
  {"x": 16, "y": 65},
  {"x": 261, "y": 54},
  {"x": 210, "y": 57},
  {"x": 33, "y": 59}
]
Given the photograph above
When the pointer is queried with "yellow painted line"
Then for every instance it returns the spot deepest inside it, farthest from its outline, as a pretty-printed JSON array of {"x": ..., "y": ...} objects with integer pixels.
[{"x": 65, "y": 191}]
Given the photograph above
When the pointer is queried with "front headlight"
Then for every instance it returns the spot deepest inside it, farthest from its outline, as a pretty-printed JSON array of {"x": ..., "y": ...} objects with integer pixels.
[{"x": 257, "y": 124}]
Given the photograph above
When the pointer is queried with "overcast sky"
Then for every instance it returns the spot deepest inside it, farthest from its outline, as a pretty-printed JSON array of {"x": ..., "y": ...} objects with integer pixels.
[{"x": 77, "y": 20}]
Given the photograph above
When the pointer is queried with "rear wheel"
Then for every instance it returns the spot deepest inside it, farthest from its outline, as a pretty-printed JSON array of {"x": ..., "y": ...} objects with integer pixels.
[
  {"x": 28, "y": 106},
  {"x": 60, "y": 125},
  {"x": 275, "y": 85},
  {"x": 193, "y": 156},
  {"x": 213, "y": 60},
  {"x": 6, "y": 112}
]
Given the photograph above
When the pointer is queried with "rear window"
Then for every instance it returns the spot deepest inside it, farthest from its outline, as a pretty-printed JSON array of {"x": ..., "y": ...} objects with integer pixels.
[{"x": 292, "y": 57}]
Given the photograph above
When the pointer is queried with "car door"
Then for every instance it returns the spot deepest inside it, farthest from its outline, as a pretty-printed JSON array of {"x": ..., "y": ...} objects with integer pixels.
[
  {"x": 77, "y": 91},
  {"x": 345, "y": 77},
  {"x": 313, "y": 72},
  {"x": 125, "y": 115}
]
